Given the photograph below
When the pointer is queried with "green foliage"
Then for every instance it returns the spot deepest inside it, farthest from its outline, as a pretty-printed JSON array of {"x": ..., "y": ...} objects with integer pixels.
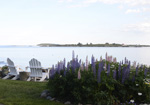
[{"x": 108, "y": 92}]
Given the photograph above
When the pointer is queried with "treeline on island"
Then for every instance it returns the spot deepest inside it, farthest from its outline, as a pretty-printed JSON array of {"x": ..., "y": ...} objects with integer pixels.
[{"x": 90, "y": 45}]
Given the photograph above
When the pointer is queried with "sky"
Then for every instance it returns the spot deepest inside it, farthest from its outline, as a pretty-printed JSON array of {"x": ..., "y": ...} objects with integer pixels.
[{"x": 31, "y": 22}]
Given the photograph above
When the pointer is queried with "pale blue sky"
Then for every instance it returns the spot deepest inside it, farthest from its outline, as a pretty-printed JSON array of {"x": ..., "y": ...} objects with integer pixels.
[{"x": 30, "y": 22}]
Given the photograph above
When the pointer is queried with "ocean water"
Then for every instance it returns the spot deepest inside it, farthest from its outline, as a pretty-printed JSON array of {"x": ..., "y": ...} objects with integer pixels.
[{"x": 51, "y": 55}]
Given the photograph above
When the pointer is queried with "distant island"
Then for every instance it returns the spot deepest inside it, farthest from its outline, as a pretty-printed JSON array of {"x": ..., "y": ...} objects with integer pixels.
[{"x": 90, "y": 45}]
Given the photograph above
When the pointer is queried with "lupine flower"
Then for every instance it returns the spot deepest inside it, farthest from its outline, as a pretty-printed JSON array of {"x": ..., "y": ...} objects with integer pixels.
[
  {"x": 87, "y": 63},
  {"x": 108, "y": 69},
  {"x": 80, "y": 63},
  {"x": 106, "y": 56},
  {"x": 125, "y": 60},
  {"x": 133, "y": 79},
  {"x": 124, "y": 74},
  {"x": 134, "y": 64},
  {"x": 145, "y": 72},
  {"x": 51, "y": 73},
  {"x": 105, "y": 66},
  {"x": 101, "y": 58},
  {"x": 114, "y": 60},
  {"x": 119, "y": 70},
  {"x": 64, "y": 63},
  {"x": 82, "y": 67},
  {"x": 64, "y": 72},
  {"x": 93, "y": 65},
  {"x": 136, "y": 70},
  {"x": 99, "y": 72},
  {"x": 73, "y": 65},
  {"x": 58, "y": 68},
  {"x": 122, "y": 62},
  {"x": 68, "y": 66},
  {"x": 79, "y": 74},
  {"x": 114, "y": 74}
]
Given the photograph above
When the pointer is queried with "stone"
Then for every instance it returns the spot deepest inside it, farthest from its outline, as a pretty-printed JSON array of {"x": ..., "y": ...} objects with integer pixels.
[
  {"x": 52, "y": 99},
  {"x": 45, "y": 93},
  {"x": 57, "y": 101},
  {"x": 67, "y": 103},
  {"x": 49, "y": 98}
]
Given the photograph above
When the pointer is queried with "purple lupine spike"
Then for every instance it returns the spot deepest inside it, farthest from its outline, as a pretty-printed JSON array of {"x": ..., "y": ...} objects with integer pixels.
[
  {"x": 145, "y": 72},
  {"x": 106, "y": 57},
  {"x": 101, "y": 58},
  {"x": 105, "y": 66},
  {"x": 64, "y": 72},
  {"x": 68, "y": 66},
  {"x": 87, "y": 63},
  {"x": 141, "y": 67},
  {"x": 99, "y": 72},
  {"x": 92, "y": 59},
  {"x": 58, "y": 68},
  {"x": 125, "y": 59},
  {"x": 137, "y": 70},
  {"x": 51, "y": 73},
  {"x": 122, "y": 62},
  {"x": 64, "y": 65},
  {"x": 102, "y": 65},
  {"x": 133, "y": 78},
  {"x": 73, "y": 65},
  {"x": 129, "y": 64},
  {"x": 124, "y": 74},
  {"x": 114, "y": 74},
  {"x": 93, "y": 66},
  {"x": 84, "y": 65},
  {"x": 80, "y": 63},
  {"x": 108, "y": 70},
  {"x": 119, "y": 70}
]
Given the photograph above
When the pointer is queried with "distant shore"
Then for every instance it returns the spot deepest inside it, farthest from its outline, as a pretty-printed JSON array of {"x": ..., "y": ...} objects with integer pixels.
[{"x": 89, "y": 45}]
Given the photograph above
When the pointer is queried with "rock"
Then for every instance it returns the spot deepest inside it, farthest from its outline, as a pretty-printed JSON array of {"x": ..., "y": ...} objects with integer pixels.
[
  {"x": 45, "y": 93},
  {"x": 52, "y": 99},
  {"x": 49, "y": 98},
  {"x": 67, "y": 103},
  {"x": 57, "y": 101}
]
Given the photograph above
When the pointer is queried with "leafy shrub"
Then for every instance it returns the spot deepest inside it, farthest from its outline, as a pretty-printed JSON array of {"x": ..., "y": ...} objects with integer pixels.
[{"x": 99, "y": 83}]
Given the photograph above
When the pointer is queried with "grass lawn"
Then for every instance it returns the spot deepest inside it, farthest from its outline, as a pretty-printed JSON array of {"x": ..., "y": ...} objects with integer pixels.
[{"x": 23, "y": 93}]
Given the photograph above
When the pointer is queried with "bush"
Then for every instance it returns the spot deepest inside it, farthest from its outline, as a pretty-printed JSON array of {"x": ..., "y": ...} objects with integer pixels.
[{"x": 99, "y": 83}]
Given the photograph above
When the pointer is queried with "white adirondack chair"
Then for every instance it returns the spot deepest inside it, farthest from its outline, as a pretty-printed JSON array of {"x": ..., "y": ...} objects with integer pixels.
[
  {"x": 36, "y": 71},
  {"x": 13, "y": 71}
]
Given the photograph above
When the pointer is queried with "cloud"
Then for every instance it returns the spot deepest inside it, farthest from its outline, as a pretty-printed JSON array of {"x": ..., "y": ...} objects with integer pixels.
[
  {"x": 126, "y": 2},
  {"x": 133, "y": 11},
  {"x": 130, "y": 6},
  {"x": 143, "y": 27},
  {"x": 61, "y": 1}
]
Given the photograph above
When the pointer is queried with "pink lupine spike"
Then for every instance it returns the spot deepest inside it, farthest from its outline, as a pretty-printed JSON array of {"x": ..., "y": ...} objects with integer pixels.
[{"x": 79, "y": 74}]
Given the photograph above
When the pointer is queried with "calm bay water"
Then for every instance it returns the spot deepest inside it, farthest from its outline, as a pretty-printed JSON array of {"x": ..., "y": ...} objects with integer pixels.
[{"x": 51, "y": 55}]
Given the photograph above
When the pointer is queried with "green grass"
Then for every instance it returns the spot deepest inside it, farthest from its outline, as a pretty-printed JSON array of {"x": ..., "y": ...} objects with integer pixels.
[{"x": 23, "y": 93}]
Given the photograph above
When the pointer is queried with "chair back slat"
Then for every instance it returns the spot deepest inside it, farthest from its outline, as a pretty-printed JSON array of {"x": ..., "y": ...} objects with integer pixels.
[
  {"x": 11, "y": 67},
  {"x": 35, "y": 67}
]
